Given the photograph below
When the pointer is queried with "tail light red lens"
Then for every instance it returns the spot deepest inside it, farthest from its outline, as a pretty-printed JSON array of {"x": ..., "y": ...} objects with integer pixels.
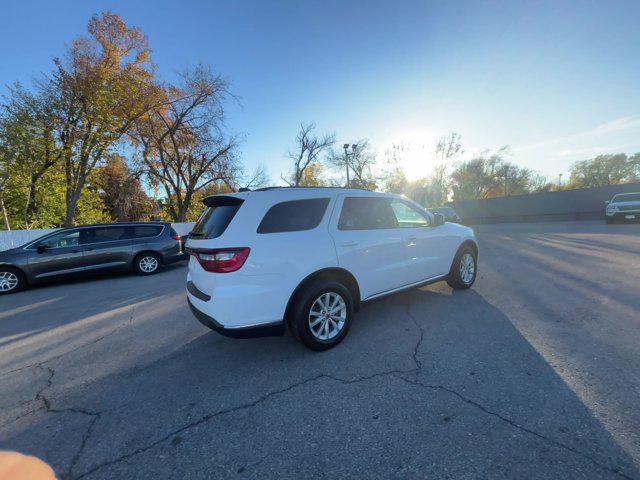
[
  {"x": 176, "y": 237},
  {"x": 221, "y": 260}
]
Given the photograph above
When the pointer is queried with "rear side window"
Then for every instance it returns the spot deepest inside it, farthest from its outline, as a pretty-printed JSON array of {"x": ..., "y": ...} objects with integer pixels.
[
  {"x": 102, "y": 234},
  {"x": 141, "y": 231},
  {"x": 214, "y": 221},
  {"x": 366, "y": 213},
  {"x": 294, "y": 216}
]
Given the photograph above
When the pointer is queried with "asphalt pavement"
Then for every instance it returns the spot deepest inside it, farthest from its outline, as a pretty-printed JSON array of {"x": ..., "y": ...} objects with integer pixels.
[{"x": 533, "y": 373}]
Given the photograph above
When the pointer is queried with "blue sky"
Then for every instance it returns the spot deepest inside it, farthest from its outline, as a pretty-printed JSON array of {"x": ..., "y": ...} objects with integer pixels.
[{"x": 556, "y": 81}]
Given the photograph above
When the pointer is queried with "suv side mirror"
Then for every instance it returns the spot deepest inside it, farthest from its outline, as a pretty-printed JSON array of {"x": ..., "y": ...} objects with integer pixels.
[
  {"x": 438, "y": 219},
  {"x": 41, "y": 248}
]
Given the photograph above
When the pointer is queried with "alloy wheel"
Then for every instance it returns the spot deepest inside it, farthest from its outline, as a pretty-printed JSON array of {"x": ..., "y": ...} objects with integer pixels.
[
  {"x": 467, "y": 268},
  {"x": 148, "y": 264},
  {"x": 8, "y": 281},
  {"x": 327, "y": 316}
]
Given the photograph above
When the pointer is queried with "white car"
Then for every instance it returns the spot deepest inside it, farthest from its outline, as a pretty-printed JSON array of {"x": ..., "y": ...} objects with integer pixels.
[
  {"x": 306, "y": 258},
  {"x": 623, "y": 206}
]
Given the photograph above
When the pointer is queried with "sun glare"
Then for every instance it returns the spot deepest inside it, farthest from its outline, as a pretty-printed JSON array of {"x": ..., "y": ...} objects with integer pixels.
[{"x": 415, "y": 150}]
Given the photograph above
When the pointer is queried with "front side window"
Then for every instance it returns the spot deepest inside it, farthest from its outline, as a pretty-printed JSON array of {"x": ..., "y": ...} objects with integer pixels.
[
  {"x": 294, "y": 216},
  {"x": 366, "y": 213},
  {"x": 61, "y": 240},
  {"x": 408, "y": 216}
]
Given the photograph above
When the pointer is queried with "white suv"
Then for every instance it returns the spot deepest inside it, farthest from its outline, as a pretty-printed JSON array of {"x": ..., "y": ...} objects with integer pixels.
[
  {"x": 623, "y": 206},
  {"x": 305, "y": 258}
]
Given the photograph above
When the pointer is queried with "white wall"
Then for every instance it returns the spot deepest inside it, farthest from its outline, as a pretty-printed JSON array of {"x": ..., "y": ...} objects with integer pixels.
[{"x": 15, "y": 238}]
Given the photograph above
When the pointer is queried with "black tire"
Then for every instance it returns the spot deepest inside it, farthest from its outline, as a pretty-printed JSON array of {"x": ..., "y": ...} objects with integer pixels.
[
  {"x": 143, "y": 262},
  {"x": 455, "y": 278},
  {"x": 11, "y": 280},
  {"x": 300, "y": 314}
]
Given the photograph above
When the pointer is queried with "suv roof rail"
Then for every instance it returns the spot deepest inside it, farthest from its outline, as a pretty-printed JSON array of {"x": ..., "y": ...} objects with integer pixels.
[{"x": 264, "y": 189}]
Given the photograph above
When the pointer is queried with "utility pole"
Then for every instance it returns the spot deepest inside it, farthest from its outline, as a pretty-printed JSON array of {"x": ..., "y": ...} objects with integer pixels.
[
  {"x": 559, "y": 181},
  {"x": 346, "y": 160}
]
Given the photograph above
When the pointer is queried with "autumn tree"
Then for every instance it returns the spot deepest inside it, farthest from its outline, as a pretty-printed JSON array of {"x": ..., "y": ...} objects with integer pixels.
[
  {"x": 605, "y": 170},
  {"x": 121, "y": 190},
  {"x": 183, "y": 146},
  {"x": 307, "y": 153},
  {"x": 95, "y": 94}
]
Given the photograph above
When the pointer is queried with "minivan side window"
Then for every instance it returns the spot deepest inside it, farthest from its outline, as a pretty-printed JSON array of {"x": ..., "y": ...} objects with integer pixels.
[
  {"x": 408, "y": 216},
  {"x": 366, "y": 213},
  {"x": 294, "y": 216},
  {"x": 103, "y": 234},
  {"x": 142, "y": 231},
  {"x": 61, "y": 240}
]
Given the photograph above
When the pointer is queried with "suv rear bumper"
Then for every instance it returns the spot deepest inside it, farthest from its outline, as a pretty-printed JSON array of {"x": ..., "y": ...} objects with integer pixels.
[{"x": 274, "y": 329}]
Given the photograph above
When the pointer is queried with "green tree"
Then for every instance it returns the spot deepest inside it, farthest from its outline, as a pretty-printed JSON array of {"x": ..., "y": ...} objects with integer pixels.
[
  {"x": 26, "y": 134},
  {"x": 602, "y": 170},
  {"x": 492, "y": 176}
]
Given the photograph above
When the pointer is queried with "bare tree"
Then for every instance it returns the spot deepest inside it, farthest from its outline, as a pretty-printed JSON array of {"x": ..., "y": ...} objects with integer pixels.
[
  {"x": 448, "y": 147},
  {"x": 361, "y": 160},
  {"x": 256, "y": 179},
  {"x": 307, "y": 152},
  {"x": 183, "y": 146}
]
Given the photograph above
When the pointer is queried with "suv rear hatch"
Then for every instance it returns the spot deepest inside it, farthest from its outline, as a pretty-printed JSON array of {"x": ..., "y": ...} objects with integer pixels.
[{"x": 219, "y": 213}]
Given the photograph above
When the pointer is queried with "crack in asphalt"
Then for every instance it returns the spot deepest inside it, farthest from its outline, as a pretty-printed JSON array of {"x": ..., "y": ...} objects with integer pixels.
[
  {"x": 396, "y": 373},
  {"x": 416, "y": 349},
  {"x": 514, "y": 424}
]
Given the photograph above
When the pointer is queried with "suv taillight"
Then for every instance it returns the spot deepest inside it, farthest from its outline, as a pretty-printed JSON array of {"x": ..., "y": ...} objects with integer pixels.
[
  {"x": 221, "y": 260},
  {"x": 174, "y": 234}
]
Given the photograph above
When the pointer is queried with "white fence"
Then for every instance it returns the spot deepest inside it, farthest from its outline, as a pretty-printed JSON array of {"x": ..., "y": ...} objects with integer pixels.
[{"x": 15, "y": 238}]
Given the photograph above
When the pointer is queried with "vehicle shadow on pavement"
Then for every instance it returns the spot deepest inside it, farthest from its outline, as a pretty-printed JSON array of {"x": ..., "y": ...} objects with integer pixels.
[
  {"x": 46, "y": 306},
  {"x": 429, "y": 382}
]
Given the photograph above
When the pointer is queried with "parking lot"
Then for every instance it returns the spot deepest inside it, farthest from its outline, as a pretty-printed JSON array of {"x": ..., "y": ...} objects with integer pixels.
[{"x": 533, "y": 373}]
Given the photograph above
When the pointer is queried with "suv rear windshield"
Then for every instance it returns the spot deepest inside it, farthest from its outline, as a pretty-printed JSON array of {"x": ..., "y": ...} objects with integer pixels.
[
  {"x": 294, "y": 216},
  {"x": 216, "y": 218}
]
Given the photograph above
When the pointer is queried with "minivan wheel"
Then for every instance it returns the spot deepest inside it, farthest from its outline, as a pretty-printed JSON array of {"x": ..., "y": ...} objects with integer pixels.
[
  {"x": 463, "y": 270},
  {"x": 321, "y": 315},
  {"x": 147, "y": 264},
  {"x": 11, "y": 281}
]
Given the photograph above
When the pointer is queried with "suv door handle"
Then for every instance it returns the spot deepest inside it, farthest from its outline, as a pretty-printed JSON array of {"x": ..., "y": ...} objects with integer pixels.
[{"x": 349, "y": 244}]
